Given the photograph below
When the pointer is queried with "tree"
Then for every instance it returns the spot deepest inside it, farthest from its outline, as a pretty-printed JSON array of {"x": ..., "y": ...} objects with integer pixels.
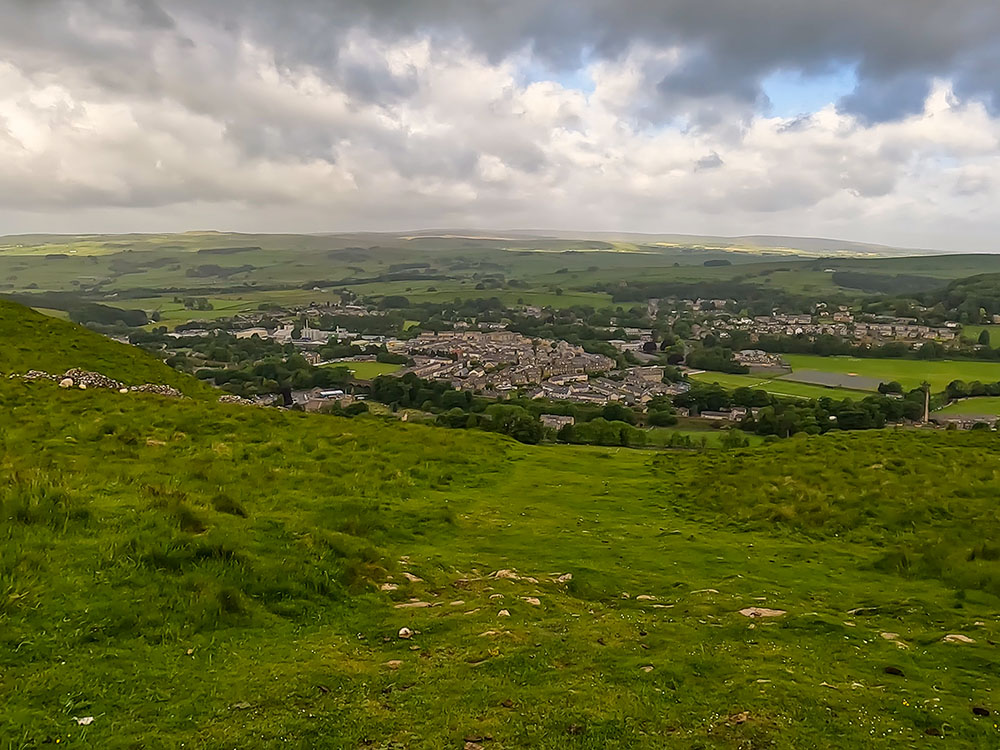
[{"x": 984, "y": 337}]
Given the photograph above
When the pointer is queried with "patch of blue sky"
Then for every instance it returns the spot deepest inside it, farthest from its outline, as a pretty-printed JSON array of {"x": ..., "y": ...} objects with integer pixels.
[
  {"x": 793, "y": 93},
  {"x": 576, "y": 77}
]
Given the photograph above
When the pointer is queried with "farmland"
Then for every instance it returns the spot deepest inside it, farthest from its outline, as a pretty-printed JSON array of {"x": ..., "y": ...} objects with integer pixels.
[
  {"x": 369, "y": 370},
  {"x": 909, "y": 373},
  {"x": 776, "y": 386},
  {"x": 973, "y": 406}
]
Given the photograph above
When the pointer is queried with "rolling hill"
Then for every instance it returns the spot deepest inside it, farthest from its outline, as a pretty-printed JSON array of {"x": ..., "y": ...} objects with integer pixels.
[
  {"x": 182, "y": 572},
  {"x": 33, "y": 341}
]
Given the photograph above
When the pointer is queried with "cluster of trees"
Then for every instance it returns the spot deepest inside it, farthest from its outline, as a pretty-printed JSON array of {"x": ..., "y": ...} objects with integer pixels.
[
  {"x": 276, "y": 375},
  {"x": 92, "y": 312},
  {"x": 611, "y": 424},
  {"x": 960, "y": 389},
  {"x": 715, "y": 358},
  {"x": 782, "y": 417}
]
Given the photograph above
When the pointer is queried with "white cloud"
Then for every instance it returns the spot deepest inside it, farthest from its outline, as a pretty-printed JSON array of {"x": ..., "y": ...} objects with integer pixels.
[{"x": 414, "y": 132}]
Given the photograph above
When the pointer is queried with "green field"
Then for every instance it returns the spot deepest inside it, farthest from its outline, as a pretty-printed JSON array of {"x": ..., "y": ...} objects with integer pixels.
[
  {"x": 979, "y": 405},
  {"x": 910, "y": 373},
  {"x": 971, "y": 333},
  {"x": 203, "y": 575},
  {"x": 660, "y": 436},
  {"x": 776, "y": 386},
  {"x": 369, "y": 370}
]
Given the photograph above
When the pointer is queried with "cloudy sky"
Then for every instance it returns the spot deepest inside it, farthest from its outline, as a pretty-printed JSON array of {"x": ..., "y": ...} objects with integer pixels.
[{"x": 876, "y": 121}]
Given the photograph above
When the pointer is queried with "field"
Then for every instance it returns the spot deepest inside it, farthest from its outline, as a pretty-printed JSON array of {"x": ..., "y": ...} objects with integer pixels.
[
  {"x": 981, "y": 405},
  {"x": 261, "y": 618},
  {"x": 660, "y": 436},
  {"x": 910, "y": 373},
  {"x": 203, "y": 575},
  {"x": 776, "y": 386},
  {"x": 971, "y": 333},
  {"x": 369, "y": 370}
]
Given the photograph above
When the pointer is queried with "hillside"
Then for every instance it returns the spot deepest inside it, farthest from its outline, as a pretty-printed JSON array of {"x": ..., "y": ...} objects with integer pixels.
[
  {"x": 197, "y": 574},
  {"x": 33, "y": 341}
]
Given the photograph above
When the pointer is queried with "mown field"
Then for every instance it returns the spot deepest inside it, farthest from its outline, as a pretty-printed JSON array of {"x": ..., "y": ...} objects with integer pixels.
[
  {"x": 981, "y": 405},
  {"x": 369, "y": 370},
  {"x": 776, "y": 386},
  {"x": 201, "y": 575},
  {"x": 910, "y": 373}
]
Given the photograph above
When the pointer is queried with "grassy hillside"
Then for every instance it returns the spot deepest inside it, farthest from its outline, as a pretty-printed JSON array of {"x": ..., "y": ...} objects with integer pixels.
[
  {"x": 30, "y": 340},
  {"x": 207, "y": 575}
]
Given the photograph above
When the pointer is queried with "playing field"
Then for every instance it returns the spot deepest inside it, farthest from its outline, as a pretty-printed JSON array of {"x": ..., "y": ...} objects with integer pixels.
[
  {"x": 775, "y": 386},
  {"x": 981, "y": 405},
  {"x": 908, "y": 372},
  {"x": 368, "y": 370}
]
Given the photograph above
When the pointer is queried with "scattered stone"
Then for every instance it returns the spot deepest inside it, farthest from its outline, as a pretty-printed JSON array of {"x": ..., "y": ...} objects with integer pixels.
[
  {"x": 979, "y": 623},
  {"x": 231, "y": 398},
  {"x": 957, "y": 638},
  {"x": 894, "y": 671},
  {"x": 761, "y": 612},
  {"x": 862, "y": 611},
  {"x": 159, "y": 390},
  {"x": 503, "y": 613},
  {"x": 496, "y": 596},
  {"x": 508, "y": 574},
  {"x": 706, "y": 591},
  {"x": 412, "y": 578},
  {"x": 890, "y": 636},
  {"x": 740, "y": 718},
  {"x": 647, "y": 668},
  {"x": 507, "y": 703},
  {"x": 405, "y": 633},
  {"x": 241, "y": 706},
  {"x": 980, "y": 711},
  {"x": 66, "y": 383},
  {"x": 82, "y": 386},
  {"x": 663, "y": 606},
  {"x": 532, "y": 600},
  {"x": 932, "y": 732},
  {"x": 388, "y": 587},
  {"x": 473, "y": 611},
  {"x": 625, "y": 595},
  {"x": 393, "y": 664},
  {"x": 413, "y": 605},
  {"x": 645, "y": 598},
  {"x": 827, "y": 685},
  {"x": 84, "y": 721},
  {"x": 457, "y": 603},
  {"x": 565, "y": 578}
]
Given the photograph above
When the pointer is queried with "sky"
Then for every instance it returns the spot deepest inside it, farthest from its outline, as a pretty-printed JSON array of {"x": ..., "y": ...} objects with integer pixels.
[{"x": 869, "y": 121}]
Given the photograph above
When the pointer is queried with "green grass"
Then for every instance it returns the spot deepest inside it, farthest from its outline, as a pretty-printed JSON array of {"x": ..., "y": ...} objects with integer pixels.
[
  {"x": 208, "y": 575},
  {"x": 971, "y": 333},
  {"x": 910, "y": 373},
  {"x": 202, "y": 575},
  {"x": 369, "y": 370},
  {"x": 660, "y": 436},
  {"x": 776, "y": 386},
  {"x": 979, "y": 405},
  {"x": 31, "y": 340}
]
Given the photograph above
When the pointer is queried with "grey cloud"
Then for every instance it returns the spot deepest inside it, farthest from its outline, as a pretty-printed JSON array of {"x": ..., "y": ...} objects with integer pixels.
[
  {"x": 897, "y": 45},
  {"x": 711, "y": 161}
]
